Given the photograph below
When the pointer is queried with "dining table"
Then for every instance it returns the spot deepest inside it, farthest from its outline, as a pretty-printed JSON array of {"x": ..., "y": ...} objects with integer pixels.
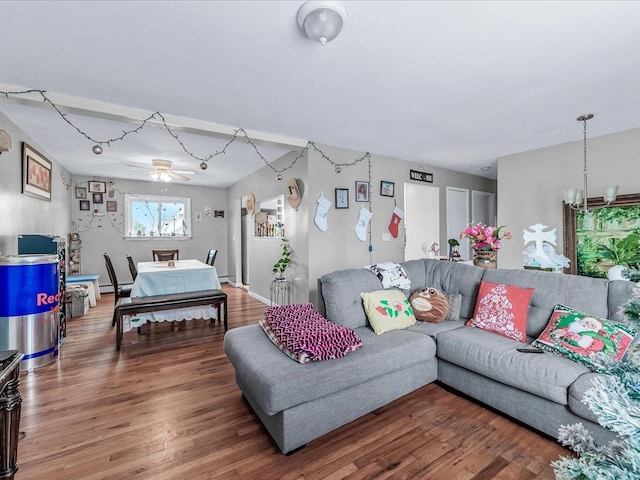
[{"x": 175, "y": 276}]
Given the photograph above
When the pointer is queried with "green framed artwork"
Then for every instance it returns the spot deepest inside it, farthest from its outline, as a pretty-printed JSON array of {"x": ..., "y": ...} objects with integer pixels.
[{"x": 604, "y": 237}]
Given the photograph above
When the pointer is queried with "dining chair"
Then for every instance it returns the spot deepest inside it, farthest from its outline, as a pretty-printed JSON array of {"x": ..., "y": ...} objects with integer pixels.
[
  {"x": 211, "y": 257},
  {"x": 120, "y": 291},
  {"x": 164, "y": 255},
  {"x": 132, "y": 267}
]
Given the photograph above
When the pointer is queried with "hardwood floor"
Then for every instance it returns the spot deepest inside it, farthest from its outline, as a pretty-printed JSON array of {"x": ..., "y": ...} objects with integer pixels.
[{"x": 167, "y": 407}]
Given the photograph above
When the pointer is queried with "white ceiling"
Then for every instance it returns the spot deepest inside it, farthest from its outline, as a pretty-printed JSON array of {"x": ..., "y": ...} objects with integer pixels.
[{"x": 448, "y": 84}]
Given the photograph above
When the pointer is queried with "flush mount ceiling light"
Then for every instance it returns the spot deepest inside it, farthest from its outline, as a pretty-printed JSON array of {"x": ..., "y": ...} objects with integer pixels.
[{"x": 322, "y": 20}]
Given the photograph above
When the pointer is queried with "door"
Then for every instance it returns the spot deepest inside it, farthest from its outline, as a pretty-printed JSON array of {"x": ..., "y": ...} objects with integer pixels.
[
  {"x": 483, "y": 208},
  {"x": 421, "y": 219},
  {"x": 457, "y": 219}
]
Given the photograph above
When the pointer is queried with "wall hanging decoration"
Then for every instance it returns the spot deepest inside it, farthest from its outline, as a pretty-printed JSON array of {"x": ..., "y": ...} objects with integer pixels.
[
  {"x": 112, "y": 206},
  {"x": 294, "y": 197},
  {"x": 342, "y": 198},
  {"x": 97, "y": 187},
  {"x": 36, "y": 173},
  {"x": 85, "y": 205},
  {"x": 81, "y": 192},
  {"x": 5, "y": 141},
  {"x": 362, "y": 191},
  {"x": 362, "y": 224},
  {"x": 250, "y": 203},
  {"x": 387, "y": 188},
  {"x": 322, "y": 209},
  {"x": 97, "y": 198}
]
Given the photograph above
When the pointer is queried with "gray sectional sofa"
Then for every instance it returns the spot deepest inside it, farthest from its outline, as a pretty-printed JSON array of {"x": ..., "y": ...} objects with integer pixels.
[{"x": 298, "y": 403}]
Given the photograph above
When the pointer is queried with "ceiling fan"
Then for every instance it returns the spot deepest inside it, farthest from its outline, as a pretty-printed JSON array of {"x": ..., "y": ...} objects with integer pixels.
[{"x": 162, "y": 171}]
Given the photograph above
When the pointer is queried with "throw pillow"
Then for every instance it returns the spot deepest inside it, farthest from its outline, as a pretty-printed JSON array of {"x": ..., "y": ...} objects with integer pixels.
[
  {"x": 582, "y": 337},
  {"x": 387, "y": 310},
  {"x": 455, "y": 306},
  {"x": 392, "y": 275},
  {"x": 429, "y": 305},
  {"x": 502, "y": 309}
]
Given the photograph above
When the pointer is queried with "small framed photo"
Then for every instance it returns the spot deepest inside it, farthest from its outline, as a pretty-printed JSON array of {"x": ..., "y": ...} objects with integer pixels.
[
  {"x": 387, "y": 188},
  {"x": 81, "y": 192},
  {"x": 111, "y": 194},
  {"x": 84, "y": 205},
  {"x": 97, "y": 187},
  {"x": 112, "y": 206},
  {"x": 362, "y": 191},
  {"x": 97, "y": 198},
  {"x": 342, "y": 198}
]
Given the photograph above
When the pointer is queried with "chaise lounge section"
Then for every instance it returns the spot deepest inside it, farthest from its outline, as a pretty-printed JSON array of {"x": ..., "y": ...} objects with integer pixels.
[{"x": 298, "y": 403}]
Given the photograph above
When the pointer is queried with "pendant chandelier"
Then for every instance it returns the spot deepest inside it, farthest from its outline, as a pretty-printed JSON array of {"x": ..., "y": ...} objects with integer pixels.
[{"x": 577, "y": 198}]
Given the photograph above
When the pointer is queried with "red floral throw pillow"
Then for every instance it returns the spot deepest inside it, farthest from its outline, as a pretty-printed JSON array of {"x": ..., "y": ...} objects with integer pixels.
[{"x": 502, "y": 309}]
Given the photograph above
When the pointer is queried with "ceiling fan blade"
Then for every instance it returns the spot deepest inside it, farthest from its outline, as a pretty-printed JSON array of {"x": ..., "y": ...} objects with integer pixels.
[
  {"x": 181, "y": 177},
  {"x": 146, "y": 167},
  {"x": 148, "y": 172},
  {"x": 184, "y": 172}
]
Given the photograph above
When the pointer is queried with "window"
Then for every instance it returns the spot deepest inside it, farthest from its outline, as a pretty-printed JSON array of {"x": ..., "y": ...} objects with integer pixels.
[{"x": 149, "y": 216}]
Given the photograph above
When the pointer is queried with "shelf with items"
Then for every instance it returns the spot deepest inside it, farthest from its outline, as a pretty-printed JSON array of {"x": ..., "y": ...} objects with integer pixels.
[{"x": 74, "y": 247}]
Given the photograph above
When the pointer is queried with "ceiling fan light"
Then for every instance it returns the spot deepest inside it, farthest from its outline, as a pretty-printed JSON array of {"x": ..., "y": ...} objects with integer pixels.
[
  {"x": 322, "y": 20},
  {"x": 165, "y": 177}
]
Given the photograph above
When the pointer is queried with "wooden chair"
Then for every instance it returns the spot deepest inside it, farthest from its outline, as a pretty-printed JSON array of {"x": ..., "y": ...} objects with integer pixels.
[
  {"x": 165, "y": 255},
  {"x": 132, "y": 267},
  {"x": 120, "y": 291},
  {"x": 211, "y": 257}
]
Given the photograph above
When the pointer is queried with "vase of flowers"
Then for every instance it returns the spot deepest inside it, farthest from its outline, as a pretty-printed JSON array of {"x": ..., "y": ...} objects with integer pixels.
[{"x": 485, "y": 242}]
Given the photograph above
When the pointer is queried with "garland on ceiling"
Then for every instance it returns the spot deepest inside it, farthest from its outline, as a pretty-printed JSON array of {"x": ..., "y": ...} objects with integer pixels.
[{"x": 157, "y": 116}]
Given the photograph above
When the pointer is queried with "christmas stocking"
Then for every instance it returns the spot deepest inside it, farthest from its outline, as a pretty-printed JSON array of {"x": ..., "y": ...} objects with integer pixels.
[
  {"x": 396, "y": 218},
  {"x": 322, "y": 208},
  {"x": 363, "y": 221}
]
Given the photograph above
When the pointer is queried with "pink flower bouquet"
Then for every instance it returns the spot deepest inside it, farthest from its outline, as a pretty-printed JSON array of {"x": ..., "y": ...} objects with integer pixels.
[{"x": 485, "y": 238}]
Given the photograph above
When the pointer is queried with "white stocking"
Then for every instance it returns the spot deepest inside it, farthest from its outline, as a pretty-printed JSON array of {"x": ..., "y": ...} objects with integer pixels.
[
  {"x": 361, "y": 225},
  {"x": 322, "y": 208}
]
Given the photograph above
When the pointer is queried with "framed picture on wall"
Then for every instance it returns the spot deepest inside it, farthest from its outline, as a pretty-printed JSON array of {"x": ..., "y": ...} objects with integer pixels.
[
  {"x": 342, "y": 198},
  {"x": 97, "y": 198},
  {"x": 387, "y": 188},
  {"x": 362, "y": 191},
  {"x": 36, "y": 173},
  {"x": 97, "y": 187},
  {"x": 112, "y": 206},
  {"x": 85, "y": 205},
  {"x": 81, "y": 192}
]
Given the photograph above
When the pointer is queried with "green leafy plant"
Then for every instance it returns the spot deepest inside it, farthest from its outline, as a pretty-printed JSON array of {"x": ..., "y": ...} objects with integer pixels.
[
  {"x": 625, "y": 251},
  {"x": 280, "y": 267}
]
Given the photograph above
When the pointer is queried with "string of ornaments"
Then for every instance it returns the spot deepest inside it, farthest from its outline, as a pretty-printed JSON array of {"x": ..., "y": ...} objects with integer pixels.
[{"x": 239, "y": 133}]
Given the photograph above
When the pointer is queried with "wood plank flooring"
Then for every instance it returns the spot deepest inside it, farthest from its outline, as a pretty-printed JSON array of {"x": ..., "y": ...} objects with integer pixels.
[{"x": 167, "y": 407}]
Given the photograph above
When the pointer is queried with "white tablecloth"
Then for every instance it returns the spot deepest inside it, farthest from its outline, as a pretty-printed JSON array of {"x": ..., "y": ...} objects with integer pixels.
[{"x": 157, "y": 278}]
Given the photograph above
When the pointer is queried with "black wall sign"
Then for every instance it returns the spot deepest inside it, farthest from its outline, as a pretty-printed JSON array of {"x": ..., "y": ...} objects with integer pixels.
[{"x": 421, "y": 176}]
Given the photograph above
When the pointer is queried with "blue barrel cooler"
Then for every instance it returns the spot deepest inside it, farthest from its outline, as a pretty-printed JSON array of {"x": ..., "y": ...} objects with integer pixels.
[{"x": 29, "y": 307}]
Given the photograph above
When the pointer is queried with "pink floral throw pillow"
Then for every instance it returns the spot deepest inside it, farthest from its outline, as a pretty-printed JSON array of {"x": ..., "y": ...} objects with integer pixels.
[{"x": 502, "y": 309}]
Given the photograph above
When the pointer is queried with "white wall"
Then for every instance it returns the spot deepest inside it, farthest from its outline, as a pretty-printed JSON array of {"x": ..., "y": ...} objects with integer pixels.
[
  {"x": 100, "y": 234},
  {"x": 530, "y": 184},
  {"x": 22, "y": 213}
]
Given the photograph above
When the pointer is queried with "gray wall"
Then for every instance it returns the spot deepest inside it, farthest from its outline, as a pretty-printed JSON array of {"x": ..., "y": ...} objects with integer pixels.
[
  {"x": 530, "y": 184},
  {"x": 100, "y": 234},
  {"x": 22, "y": 213}
]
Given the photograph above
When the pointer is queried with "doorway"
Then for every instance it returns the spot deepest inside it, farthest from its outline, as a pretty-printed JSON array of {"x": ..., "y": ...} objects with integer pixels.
[
  {"x": 458, "y": 218},
  {"x": 421, "y": 219}
]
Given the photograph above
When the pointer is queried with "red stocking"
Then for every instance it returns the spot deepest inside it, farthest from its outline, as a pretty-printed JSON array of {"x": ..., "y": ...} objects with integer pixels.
[{"x": 396, "y": 218}]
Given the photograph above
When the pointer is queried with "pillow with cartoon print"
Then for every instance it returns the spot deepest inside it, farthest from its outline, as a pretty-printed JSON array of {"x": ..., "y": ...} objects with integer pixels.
[
  {"x": 387, "y": 310},
  {"x": 582, "y": 337}
]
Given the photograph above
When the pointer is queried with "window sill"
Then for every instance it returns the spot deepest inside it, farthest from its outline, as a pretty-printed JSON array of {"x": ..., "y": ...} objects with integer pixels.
[{"x": 156, "y": 237}]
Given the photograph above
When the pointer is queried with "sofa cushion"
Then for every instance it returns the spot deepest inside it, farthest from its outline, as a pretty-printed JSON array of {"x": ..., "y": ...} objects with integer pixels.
[
  {"x": 387, "y": 310},
  {"x": 450, "y": 277},
  {"x": 581, "y": 337},
  {"x": 576, "y": 394},
  {"x": 454, "y": 300},
  {"x": 502, "y": 309},
  {"x": 434, "y": 329},
  {"x": 590, "y": 294},
  {"x": 277, "y": 383},
  {"x": 429, "y": 305},
  {"x": 546, "y": 375},
  {"x": 341, "y": 291},
  {"x": 392, "y": 275}
]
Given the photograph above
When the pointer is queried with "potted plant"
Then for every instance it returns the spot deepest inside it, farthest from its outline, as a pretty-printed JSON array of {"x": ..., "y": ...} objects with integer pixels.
[
  {"x": 452, "y": 244},
  {"x": 280, "y": 267},
  {"x": 623, "y": 254}
]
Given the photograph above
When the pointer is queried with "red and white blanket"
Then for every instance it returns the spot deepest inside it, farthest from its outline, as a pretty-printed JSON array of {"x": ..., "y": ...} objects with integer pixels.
[{"x": 305, "y": 335}]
